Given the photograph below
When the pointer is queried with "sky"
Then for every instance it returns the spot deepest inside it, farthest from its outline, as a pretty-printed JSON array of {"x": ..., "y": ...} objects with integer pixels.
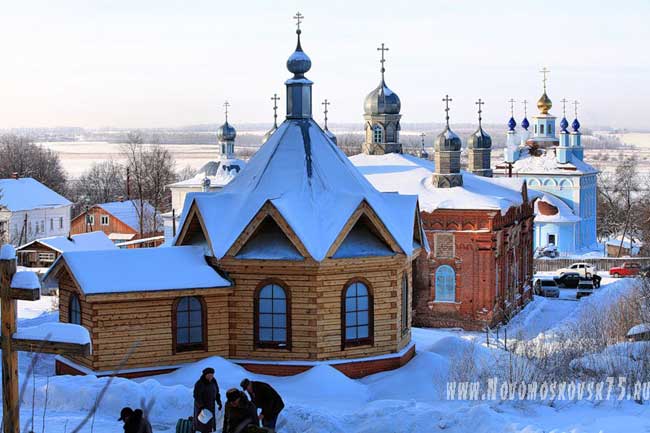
[{"x": 163, "y": 63}]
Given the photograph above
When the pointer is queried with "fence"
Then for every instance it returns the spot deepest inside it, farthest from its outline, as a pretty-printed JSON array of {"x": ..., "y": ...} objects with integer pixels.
[{"x": 601, "y": 264}]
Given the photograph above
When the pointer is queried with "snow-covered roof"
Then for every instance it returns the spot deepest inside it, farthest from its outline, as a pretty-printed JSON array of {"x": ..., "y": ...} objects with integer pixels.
[
  {"x": 127, "y": 212},
  {"x": 409, "y": 174},
  {"x": 641, "y": 328},
  {"x": 81, "y": 242},
  {"x": 311, "y": 183},
  {"x": 140, "y": 270},
  {"x": 627, "y": 242},
  {"x": 25, "y": 280},
  {"x": 27, "y": 193},
  {"x": 548, "y": 164},
  {"x": 220, "y": 173},
  {"x": 55, "y": 332},
  {"x": 564, "y": 213}
]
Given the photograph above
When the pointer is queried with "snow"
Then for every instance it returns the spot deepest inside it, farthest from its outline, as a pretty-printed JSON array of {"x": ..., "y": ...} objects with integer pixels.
[
  {"x": 128, "y": 212},
  {"x": 270, "y": 244},
  {"x": 58, "y": 332},
  {"x": 220, "y": 173},
  {"x": 140, "y": 270},
  {"x": 408, "y": 174},
  {"x": 641, "y": 328},
  {"x": 25, "y": 280},
  {"x": 548, "y": 163},
  {"x": 27, "y": 193},
  {"x": 7, "y": 252},
  {"x": 81, "y": 242},
  {"x": 311, "y": 183},
  {"x": 564, "y": 214},
  {"x": 361, "y": 242}
]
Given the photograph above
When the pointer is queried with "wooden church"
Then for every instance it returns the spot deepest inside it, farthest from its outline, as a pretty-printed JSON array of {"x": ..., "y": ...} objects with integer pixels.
[{"x": 298, "y": 261}]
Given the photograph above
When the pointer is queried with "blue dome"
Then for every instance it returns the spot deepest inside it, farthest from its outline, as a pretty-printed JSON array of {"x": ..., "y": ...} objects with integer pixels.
[
  {"x": 226, "y": 132},
  {"x": 525, "y": 123},
  {"x": 564, "y": 124},
  {"x": 382, "y": 100},
  {"x": 575, "y": 125},
  {"x": 299, "y": 62},
  {"x": 512, "y": 123}
]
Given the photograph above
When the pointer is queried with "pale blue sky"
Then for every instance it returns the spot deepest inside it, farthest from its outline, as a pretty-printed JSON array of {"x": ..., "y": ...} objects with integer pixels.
[{"x": 169, "y": 63}]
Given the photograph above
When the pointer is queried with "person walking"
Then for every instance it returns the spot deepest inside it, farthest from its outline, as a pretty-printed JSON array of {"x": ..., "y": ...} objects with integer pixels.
[
  {"x": 206, "y": 393},
  {"x": 266, "y": 398},
  {"x": 239, "y": 414}
]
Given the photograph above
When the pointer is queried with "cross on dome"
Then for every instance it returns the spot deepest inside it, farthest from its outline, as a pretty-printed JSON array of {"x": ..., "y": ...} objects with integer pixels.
[
  {"x": 299, "y": 18},
  {"x": 226, "y": 105},
  {"x": 525, "y": 102},
  {"x": 422, "y": 137},
  {"x": 575, "y": 107},
  {"x": 325, "y": 103},
  {"x": 544, "y": 71},
  {"x": 383, "y": 49},
  {"x": 447, "y": 100},
  {"x": 480, "y": 104},
  {"x": 275, "y": 98},
  {"x": 563, "y": 101},
  {"x": 512, "y": 107}
]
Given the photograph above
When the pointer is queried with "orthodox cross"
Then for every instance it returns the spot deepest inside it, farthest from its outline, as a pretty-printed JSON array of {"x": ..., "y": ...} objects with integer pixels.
[
  {"x": 512, "y": 107},
  {"x": 11, "y": 290},
  {"x": 226, "y": 105},
  {"x": 383, "y": 49},
  {"x": 544, "y": 71},
  {"x": 298, "y": 17},
  {"x": 325, "y": 103},
  {"x": 575, "y": 107},
  {"x": 447, "y": 100},
  {"x": 275, "y": 100},
  {"x": 422, "y": 137},
  {"x": 525, "y": 107},
  {"x": 563, "y": 101},
  {"x": 480, "y": 104}
]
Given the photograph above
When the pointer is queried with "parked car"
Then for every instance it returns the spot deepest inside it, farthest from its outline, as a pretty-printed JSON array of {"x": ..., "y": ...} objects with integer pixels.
[
  {"x": 584, "y": 269},
  {"x": 585, "y": 288},
  {"x": 547, "y": 287},
  {"x": 627, "y": 269},
  {"x": 568, "y": 279}
]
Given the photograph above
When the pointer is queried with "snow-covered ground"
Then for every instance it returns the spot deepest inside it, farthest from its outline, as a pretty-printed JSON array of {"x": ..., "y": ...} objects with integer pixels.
[{"x": 322, "y": 400}]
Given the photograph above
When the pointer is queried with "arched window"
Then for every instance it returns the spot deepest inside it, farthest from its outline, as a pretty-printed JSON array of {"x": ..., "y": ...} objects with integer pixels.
[
  {"x": 357, "y": 314},
  {"x": 189, "y": 326},
  {"x": 445, "y": 284},
  {"x": 377, "y": 134},
  {"x": 272, "y": 319},
  {"x": 405, "y": 303},
  {"x": 74, "y": 312}
]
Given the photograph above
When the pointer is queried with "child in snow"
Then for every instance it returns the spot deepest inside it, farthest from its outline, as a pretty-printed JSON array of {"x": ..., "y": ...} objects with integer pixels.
[
  {"x": 206, "y": 393},
  {"x": 266, "y": 398}
]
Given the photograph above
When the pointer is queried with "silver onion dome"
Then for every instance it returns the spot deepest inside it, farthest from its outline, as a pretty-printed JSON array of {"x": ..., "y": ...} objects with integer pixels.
[
  {"x": 479, "y": 140},
  {"x": 226, "y": 132},
  {"x": 448, "y": 141},
  {"x": 382, "y": 100}
]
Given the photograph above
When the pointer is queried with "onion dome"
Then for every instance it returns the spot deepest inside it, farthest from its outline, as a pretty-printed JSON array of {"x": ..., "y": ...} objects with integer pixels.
[
  {"x": 448, "y": 141},
  {"x": 298, "y": 63},
  {"x": 382, "y": 100},
  {"x": 226, "y": 132},
  {"x": 575, "y": 125},
  {"x": 512, "y": 124},
  {"x": 479, "y": 140},
  {"x": 564, "y": 124},
  {"x": 525, "y": 123},
  {"x": 544, "y": 104}
]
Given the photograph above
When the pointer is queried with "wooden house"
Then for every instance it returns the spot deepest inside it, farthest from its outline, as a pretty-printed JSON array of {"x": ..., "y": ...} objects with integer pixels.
[
  {"x": 297, "y": 261},
  {"x": 122, "y": 221},
  {"x": 41, "y": 253}
]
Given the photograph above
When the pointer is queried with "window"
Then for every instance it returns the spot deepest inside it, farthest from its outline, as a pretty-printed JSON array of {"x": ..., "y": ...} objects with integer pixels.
[
  {"x": 60, "y": 222},
  {"x": 541, "y": 129},
  {"x": 90, "y": 219},
  {"x": 103, "y": 220},
  {"x": 445, "y": 284},
  {"x": 272, "y": 321},
  {"x": 189, "y": 324},
  {"x": 42, "y": 226},
  {"x": 405, "y": 303},
  {"x": 357, "y": 312},
  {"x": 551, "y": 240},
  {"x": 377, "y": 134},
  {"x": 535, "y": 129},
  {"x": 51, "y": 223},
  {"x": 74, "y": 312}
]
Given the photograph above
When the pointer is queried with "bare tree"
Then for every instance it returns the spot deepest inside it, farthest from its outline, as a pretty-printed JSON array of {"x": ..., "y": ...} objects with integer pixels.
[
  {"x": 103, "y": 182},
  {"x": 185, "y": 173},
  {"x": 22, "y": 156}
]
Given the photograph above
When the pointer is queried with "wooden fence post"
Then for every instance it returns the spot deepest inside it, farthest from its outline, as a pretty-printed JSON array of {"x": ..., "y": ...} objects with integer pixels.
[{"x": 10, "y": 401}]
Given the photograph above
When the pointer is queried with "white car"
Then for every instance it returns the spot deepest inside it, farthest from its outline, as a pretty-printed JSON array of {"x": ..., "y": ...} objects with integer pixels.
[{"x": 584, "y": 269}]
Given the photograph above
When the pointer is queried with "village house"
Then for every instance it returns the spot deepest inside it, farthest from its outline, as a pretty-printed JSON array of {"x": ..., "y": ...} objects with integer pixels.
[
  {"x": 297, "y": 261},
  {"x": 41, "y": 253},
  {"x": 30, "y": 210},
  {"x": 122, "y": 222},
  {"x": 479, "y": 270}
]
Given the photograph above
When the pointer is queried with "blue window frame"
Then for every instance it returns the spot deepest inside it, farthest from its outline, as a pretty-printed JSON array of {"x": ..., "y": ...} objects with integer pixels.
[{"x": 445, "y": 284}]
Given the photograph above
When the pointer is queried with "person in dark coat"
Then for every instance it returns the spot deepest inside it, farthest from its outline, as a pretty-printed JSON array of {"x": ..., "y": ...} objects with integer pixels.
[
  {"x": 239, "y": 413},
  {"x": 134, "y": 421},
  {"x": 206, "y": 393},
  {"x": 265, "y": 398}
]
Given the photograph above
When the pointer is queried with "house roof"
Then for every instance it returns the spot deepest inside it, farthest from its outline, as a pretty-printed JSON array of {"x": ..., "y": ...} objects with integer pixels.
[
  {"x": 548, "y": 164},
  {"x": 139, "y": 270},
  {"x": 564, "y": 214},
  {"x": 81, "y": 242},
  {"x": 220, "y": 173},
  {"x": 27, "y": 193},
  {"x": 311, "y": 183},
  {"x": 409, "y": 174},
  {"x": 127, "y": 211}
]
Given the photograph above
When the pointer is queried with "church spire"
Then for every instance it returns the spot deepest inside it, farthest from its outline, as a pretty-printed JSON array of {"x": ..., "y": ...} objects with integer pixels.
[
  {"x": 275, "y": 98},
  {"x": 298, "y": 87},
  {"x": 226, "y": 136},
  {"x": 479, "y": 146},
  {"x": 447, "y": 155},
  {"x": 544, "y": 103},
  {"x": 329, "y": 133}
]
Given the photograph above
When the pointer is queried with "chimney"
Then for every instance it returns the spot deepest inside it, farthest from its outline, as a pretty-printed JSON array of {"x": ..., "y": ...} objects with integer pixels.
[{"x": 14, "y": 175}]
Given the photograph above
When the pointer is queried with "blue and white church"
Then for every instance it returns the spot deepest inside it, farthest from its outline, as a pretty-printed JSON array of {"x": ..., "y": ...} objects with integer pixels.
[{"x": 565, "y": 216}]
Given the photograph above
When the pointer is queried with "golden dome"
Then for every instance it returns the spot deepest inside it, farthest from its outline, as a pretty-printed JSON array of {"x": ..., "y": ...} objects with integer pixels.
[{"x": 544, "y": 104}]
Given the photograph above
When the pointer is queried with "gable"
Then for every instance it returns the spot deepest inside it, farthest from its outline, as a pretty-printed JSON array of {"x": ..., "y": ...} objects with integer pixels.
[
  {"x": 269, "y": 242},
  {"x": 363, "y": 241},
  {"x": 193, "y": 231}
]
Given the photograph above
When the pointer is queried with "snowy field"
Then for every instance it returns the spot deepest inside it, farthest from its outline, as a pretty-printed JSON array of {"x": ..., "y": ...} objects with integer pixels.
[{"x": 322, "y": 400}]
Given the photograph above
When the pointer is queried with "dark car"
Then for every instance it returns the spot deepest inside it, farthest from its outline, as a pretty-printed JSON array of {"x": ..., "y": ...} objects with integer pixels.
[{"x": 568, "y": 279}]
